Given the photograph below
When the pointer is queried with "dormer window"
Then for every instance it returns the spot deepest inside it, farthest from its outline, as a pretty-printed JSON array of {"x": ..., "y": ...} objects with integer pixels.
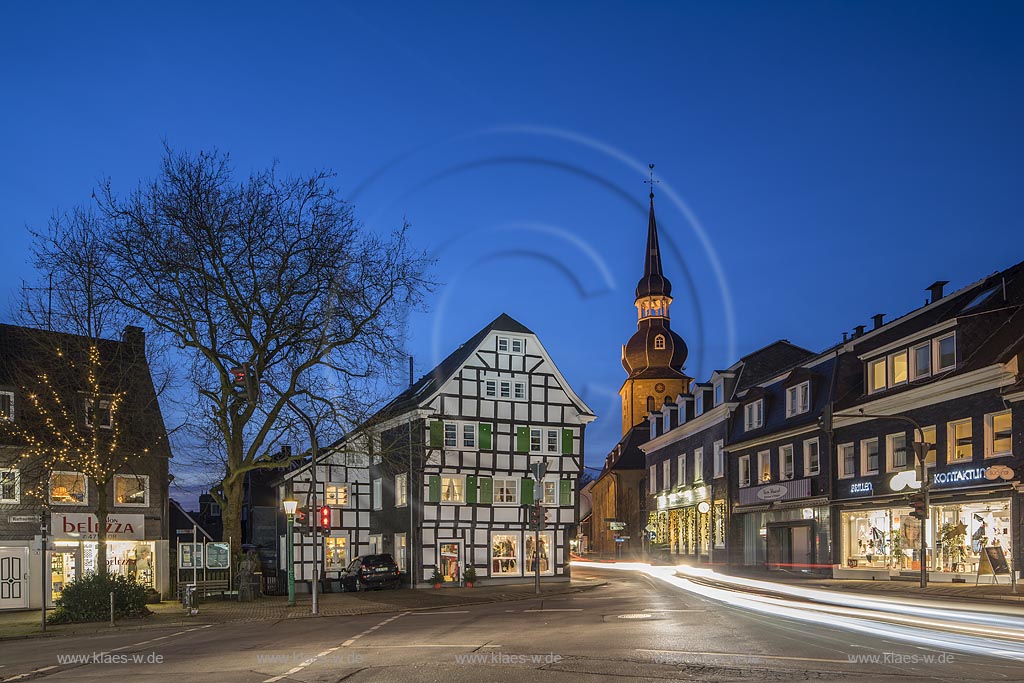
[
  {"x": 719, "y": 393},
  {"x": 798, "y": 399},
  {"x": 753, "y": 414},
  {"x": 699, "y": 405},
  {"x": 659, "y": 342}
]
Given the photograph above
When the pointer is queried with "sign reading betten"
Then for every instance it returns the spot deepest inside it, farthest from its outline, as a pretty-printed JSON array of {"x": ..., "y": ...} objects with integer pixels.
[{"x": 83, "y": 526}]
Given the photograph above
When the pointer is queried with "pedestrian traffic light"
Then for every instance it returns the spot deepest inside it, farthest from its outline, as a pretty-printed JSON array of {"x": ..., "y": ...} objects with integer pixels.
[
  {"x": 917, "y": 505},
  {"x": 325, "y": 517}
]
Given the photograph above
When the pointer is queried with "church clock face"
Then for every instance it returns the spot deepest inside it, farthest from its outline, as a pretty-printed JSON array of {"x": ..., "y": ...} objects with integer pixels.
[{"x": 659, "y": 387}]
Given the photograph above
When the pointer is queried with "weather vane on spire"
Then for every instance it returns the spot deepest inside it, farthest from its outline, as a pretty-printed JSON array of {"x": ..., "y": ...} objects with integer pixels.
[{"x": 652, "y": 181}]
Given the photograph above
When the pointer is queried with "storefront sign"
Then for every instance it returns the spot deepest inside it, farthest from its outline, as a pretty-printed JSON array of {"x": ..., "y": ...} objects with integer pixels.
[
  {"x": 861, "y": 488},
  {"x": 684, "y": 498},
  {"x": 83, "y": 526},
  {"x": 791, "y": 490},
  {"x": 902, "y": 480},
  {"x": 999, "y": 472},
  {"x": 970, "y": 475},
  {"x": 703, "y": 507}
]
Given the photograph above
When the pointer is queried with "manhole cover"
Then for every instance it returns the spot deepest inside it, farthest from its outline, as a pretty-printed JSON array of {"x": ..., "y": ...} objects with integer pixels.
[{"x": 635, "y": 616}]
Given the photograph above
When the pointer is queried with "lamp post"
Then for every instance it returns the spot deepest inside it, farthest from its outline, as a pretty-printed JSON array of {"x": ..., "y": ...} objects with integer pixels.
[{"x": 289, "y": 510}]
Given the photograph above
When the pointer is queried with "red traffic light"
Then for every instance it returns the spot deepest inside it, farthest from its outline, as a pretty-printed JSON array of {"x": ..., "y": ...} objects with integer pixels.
[
  {"x": 325, "y": 517},
  {"x": 238, "y": 376}
]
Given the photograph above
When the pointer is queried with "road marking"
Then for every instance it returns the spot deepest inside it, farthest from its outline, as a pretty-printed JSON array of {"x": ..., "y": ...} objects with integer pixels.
[
  {"x": 423, "y": 645},
  {"x": 743, "y": 655},
  {"x": 677, "y": 610},
  {"x": 34, "y": 671},
  {"x": 460, "y": 611},
  {"x": 560, "y": 609}
]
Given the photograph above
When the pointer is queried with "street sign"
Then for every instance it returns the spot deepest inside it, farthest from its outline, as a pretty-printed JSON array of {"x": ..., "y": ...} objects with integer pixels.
[
  {"x": 616, "y": 526},
  {"x": 23, "y": 519},
  {"x": 539, "y": 469}
]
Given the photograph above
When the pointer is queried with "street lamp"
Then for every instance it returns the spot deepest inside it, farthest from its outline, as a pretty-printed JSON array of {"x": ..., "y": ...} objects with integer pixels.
[{"x": 290, "y": 506}]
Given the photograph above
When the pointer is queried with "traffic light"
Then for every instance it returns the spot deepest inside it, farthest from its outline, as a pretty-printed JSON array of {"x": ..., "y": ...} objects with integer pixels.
[
  {"x": 245, "y": 378},
  {"x": 537, "y": 517},
  {"x": 917, "y": 505},
  {"x": 325, "y": 517}
]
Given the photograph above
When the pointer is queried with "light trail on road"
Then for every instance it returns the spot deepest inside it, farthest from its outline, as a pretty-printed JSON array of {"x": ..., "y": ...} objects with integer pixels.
[{"x": 935, "y": 627}]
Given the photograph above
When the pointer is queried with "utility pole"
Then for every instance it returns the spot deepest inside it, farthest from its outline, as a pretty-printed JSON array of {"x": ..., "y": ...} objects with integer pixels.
[{"x": 539, "y": 469}]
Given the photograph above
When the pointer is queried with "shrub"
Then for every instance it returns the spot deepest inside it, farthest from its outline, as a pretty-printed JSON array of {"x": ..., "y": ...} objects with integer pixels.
[
  {"x": 469, "y": 576},
  {"x": 437, "y": 577},
  {"x": 88, "y": 599}
]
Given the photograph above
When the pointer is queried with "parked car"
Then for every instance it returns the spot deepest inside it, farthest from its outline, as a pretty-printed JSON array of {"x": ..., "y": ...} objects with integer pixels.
[{"x": 370, "y": 571}]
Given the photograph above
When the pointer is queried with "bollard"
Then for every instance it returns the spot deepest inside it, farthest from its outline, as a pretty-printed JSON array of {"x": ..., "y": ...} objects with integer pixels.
[{"x": 111, "y": 608}]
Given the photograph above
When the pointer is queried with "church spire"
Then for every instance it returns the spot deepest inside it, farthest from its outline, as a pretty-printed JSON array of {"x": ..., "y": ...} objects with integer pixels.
[{"x": 654, "y": 282}]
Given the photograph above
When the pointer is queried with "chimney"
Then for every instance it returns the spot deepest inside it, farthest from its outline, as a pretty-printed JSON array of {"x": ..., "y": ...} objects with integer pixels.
[
  {"x": 858, "y": 331},
  {"x": 936, "y": 289},
  {"x": 877, "y": 318},
  {"x": 846, "y": 335},
  {"x": 135, "y": 339}
]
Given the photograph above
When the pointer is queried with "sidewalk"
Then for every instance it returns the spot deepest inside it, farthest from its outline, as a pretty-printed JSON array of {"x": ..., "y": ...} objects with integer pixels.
[{"x": 25, "y": 624}]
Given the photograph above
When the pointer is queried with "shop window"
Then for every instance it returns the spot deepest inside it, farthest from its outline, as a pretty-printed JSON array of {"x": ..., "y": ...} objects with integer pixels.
[
  {"x": 960, "y": 440},
  {"x": 744, "y": 465},
  {"x": 68, "y": 488},
  {"x": 335, "y": 553},
  {"x": 506, "y": 491},
  {"x": 401, "y": 490},
  {"x": 876, "y": 375},
  {"x": 879, "y": 539},
  {"x": 719, "y": 522},
  {"x": 945, "y": 352},
  {"x": 965, "y": 529},
  {"x": 10, "y": 485},
  {"x": 453, "y": 489},
  {"x": 764, "y": 466},
  {"x": 998, "y": 434},
  {"x": 846, "y": 458},
  {"x": 897, "y": 452},
  {"x": 921, "y": 361},
  {"x": 786, "y": 464},
  {"x": 812, "y": 457},
  {"x": 547, "y": 566},
  {"x": 504, "y": 555},
  {"x": 336, "y": 495},
  {"x": 869, "y": 456},
  {"x": 131, "y": 490}
]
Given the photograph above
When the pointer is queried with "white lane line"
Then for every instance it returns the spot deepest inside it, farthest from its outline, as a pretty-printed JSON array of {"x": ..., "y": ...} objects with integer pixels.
[
  {"x": 313, "y": 660},
  {"x": 576, "y": 609},
  {"x": 422, "y": 645},
  {"x": 459, "y": 611},
  {"x": 743, "y": 655}
]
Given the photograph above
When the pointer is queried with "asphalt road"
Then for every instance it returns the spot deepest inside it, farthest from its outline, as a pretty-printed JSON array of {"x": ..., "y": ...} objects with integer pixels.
[{"x": 635, "y": 628}]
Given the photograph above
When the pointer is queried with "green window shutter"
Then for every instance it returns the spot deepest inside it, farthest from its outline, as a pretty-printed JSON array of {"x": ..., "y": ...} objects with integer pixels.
[
  {"x": 567, "y": 441},
  {"x": 522, "y": 439},
  {"x": 526, "y": 491},
  {"x": 486, "y": 490},
  {"x": 433, "y": 489},
  {"x": 565, "y": 492},
  {"x": 470, "y": 489},
  {"x": 485, "y": 436},
  {"x": 437, "y": 434}
]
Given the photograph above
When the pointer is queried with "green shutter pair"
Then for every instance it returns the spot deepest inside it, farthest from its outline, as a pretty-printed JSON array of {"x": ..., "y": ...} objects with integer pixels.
[
  {"x": 486, "y": 489},
  {"x": 437, "y": 435}
]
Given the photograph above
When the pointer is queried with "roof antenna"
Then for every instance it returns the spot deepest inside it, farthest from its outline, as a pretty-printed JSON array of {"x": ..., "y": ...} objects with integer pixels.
[{"x": 652, "y": 181}]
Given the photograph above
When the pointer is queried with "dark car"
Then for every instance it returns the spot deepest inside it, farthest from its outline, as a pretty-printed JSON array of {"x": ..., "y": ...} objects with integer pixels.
[{"x": 370, "y": 571}]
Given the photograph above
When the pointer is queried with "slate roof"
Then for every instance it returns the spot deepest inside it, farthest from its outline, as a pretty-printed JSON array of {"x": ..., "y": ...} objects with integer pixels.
[
  {"x": 769, "y": 361},
  {"x": 630, "y": 456}
]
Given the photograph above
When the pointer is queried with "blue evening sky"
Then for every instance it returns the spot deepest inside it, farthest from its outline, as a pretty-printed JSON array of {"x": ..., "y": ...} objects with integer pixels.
[{"x": 819, "y": 161}]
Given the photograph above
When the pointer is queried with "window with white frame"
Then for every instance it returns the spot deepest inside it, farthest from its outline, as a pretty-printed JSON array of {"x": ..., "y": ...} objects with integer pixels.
[
  {"x": 6, "y": 405},
  {"x": 753, "y": 415},
  {"x": 401, "y": 552},
  {"x": 503, "y": 344},
  {"x": 719, "y": 459},
  {"x": 961, "y": 444},
  {"x": 536, "y": 440},
  {"x": 681, "y": 468},
  {"x": 798, "y": 399},
  {"x": 469, "y": 435},
  {"x": 378, "y": 494},
  {"x": 786, "y": 462},
  {"x": 506, "y": 388},
  {"x": 10, "y": 485},
  {"x": 719, "y": 395},
  {"x": 491, "y": 388},
  {"x": 506, "y": 491},
  {"x": 519, "y": 390},
  {"x": 131, "y": 490},
  {"x": 401, "y": 490},
  {"x": 552, "y": 440},
  {"x": 335, "y": 555},
  {"x": 764, "y": 467},
  {"x": 998, "y": 434},
  {"x": 518, "y": 345},
  {"x": 945, "y": 352},
  {"x": 869, "y": 456},
  {"x": 896, "y": 452},
  {"x": 550, "y": 491},
  {"x": 451, "y": 435},
  {"x": 666, "y": 471},
  {"x": 453, "y": 489},
  {"x": 698, "y": 465},
  {"x": 652, "y": 479},
  {"x": 336, "y": 495},
  {"x": 898, "y": 368},
  {"x": 744, "y": 465},
  {"x": 921, "y": 361},
  {"x": 846, "y": 457},
  {"x": 504, "y": 554},
  {"x": 511, "y": 344},
  {"x": 698, "y": 406},
  {"x": 460, "y": 435},
  {"x": 99, "y": 413},
  {"x": 876, "y": 375},
  {"x": 659, "y": 342},
  {"x": 68, "y": 488}
]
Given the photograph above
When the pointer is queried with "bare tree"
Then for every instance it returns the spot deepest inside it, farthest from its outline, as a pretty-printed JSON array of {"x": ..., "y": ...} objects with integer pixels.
[{"x": 267, "y": 274}]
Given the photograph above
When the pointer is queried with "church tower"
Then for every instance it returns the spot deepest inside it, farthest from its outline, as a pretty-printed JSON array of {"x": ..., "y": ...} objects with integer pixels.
[{"x": 654, "y": 356}]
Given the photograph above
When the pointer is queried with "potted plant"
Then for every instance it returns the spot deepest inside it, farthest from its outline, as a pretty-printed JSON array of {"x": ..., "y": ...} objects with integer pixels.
[
  {"x": 469, "y": 577},
  {"x": 437, "y": 578}
]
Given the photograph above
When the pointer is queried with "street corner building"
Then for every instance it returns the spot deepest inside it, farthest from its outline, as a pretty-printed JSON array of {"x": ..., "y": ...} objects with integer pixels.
[
  {"x": 46, "y": 489},
  {"x": 441, "y": 477}
]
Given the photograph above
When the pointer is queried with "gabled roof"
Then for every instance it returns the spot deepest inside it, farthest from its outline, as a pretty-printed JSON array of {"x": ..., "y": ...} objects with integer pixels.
[{"x": 769, "y": 361}]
